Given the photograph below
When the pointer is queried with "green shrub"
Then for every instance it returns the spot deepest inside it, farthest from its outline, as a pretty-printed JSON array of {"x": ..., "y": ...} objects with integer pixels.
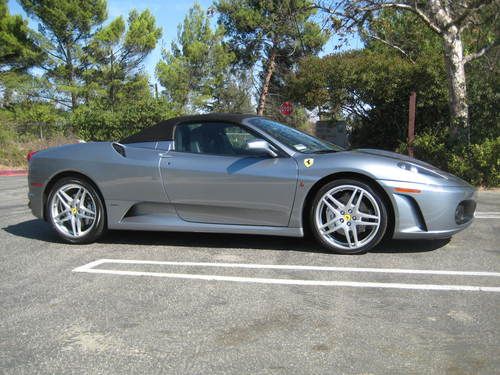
[
  {"x": 479, "y": 163},
  {"x": 95, "y": 122},
  {"x": 432, "y": 148},
  {"x": 6, "y": 135},
  {"x": 12, "y": 155},
  {"x": 39, "y": 120}
]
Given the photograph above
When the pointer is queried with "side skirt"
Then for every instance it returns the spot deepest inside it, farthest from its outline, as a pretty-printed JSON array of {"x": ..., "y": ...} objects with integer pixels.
[
  {"x": 171, "y": 224},
  {"x": 162, "y": 217}
]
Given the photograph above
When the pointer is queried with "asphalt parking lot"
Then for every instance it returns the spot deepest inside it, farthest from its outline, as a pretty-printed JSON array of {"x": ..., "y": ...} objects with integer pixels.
[{"x": 199, "y": 304}]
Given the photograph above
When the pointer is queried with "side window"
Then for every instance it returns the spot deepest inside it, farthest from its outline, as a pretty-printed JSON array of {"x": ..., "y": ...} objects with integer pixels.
[
  {"x": 182, "y": 138},
  {"x": 238, "y": 138},
  {"x": 212, "y": 138}
]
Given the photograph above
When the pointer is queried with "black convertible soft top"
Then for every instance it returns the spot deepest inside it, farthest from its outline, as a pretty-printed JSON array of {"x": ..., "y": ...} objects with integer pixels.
[{"x": 164, "y": 130}]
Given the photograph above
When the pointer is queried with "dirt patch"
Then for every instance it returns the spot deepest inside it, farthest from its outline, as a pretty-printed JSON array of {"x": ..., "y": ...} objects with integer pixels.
[{"x": 13, "y": 154}]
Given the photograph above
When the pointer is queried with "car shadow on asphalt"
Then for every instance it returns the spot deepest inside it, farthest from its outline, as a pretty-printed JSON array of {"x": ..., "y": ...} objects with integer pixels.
[
  {"x": 33, "y": 229},
  {"x": 40, "y": 230}
]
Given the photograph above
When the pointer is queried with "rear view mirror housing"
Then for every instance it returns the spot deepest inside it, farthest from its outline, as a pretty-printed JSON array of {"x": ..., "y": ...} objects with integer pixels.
[{"x": 261, "y": 146}]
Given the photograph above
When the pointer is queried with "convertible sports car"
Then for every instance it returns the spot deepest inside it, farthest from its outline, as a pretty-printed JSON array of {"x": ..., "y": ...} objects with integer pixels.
[{"x": 247, "y": 174}]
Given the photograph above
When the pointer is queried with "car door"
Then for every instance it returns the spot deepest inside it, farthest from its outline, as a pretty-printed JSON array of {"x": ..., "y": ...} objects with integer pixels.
[{"x": 211, "y": 178}]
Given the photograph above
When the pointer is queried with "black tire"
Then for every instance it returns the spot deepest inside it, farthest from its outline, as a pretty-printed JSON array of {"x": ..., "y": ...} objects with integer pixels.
[
  {"x": 99, "y": 226},
  {"x": 380, "y": 231}
]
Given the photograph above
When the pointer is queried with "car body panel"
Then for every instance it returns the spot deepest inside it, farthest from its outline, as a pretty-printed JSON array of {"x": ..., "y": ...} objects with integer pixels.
[
  {"x": 246, "y": 190},
  {"x": 128, "y": 179},
  {"x": 150, "y": 186}
]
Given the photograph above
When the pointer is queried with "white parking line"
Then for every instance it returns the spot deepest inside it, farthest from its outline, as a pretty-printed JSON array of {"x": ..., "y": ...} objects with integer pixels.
[
  {"x": 89, "y": 268},
  {"x": 487, "y": 215},
  {"x": 287, "y": 267}
]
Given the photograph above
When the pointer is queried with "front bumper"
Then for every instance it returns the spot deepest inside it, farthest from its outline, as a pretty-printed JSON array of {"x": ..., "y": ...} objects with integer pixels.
[{"x": 431, "y": 213}]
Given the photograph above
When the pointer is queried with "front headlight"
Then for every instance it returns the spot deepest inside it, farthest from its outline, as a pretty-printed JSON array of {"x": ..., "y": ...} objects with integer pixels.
[{"x": 410, "y": 167}]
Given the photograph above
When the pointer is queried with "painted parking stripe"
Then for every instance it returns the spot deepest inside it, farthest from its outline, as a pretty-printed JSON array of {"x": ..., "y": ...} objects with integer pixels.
[
  {"x": 288, "y": 267},
  {"x": 88, "y": 268},
  {"x": 487, "y": 215}
]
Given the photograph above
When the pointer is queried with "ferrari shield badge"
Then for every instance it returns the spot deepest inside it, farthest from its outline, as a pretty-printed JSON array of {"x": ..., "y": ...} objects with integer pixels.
[{"x": 308, "y": 162}]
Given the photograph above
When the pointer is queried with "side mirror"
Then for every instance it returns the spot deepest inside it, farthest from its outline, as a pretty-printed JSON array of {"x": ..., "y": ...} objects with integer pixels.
[{"x": 260, "y": 146}]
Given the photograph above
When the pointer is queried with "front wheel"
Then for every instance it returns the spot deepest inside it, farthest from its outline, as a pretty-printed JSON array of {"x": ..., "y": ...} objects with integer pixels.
[
  {"x": 76, "y": 211},
  {"x": 348, "y": 216}
]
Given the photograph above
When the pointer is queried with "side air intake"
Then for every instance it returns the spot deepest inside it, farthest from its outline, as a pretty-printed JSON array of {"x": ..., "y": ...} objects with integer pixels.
[{"x": 120, "y": 149}]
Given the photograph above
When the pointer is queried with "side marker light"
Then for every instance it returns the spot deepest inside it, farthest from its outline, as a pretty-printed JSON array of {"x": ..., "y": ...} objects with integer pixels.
[{"x": 407, "y": 190}]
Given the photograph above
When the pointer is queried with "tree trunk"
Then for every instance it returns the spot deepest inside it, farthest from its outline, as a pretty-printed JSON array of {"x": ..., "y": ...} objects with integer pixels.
[
  {"x": 112, "y": 83},
  {"x": 455, "y": 66},
  {"x": 271, "y": 65},
  {"x": 71, "y": 78}
]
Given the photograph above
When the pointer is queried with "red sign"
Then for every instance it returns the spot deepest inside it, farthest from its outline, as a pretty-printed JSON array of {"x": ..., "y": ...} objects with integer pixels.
[{"x": 286, "y": 108}]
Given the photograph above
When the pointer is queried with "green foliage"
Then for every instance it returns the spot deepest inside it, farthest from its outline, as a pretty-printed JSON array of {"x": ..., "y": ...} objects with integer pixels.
[
  {"x": 371, "y": 90},
  {"x": 272, "y": 34},
  {"x": 95, "y": 122},
  {"x": 195, "y": 72},
  {"x": 483, "y": 80},
  {"x": 256, "y": 26},
  {"x": 116, "y": 53},
  {"x": 430, "y": 146},
  {"x": 17, "y": 48},
  {"x": 371, "y": 86},
  {"x": 298, "y": 119},
  {"x": 67, "y": 20},
  {"x": 478, "y": 163},
  {"x": 7, "y": 132},
  {"x": 25, "y": 111},
  {"x": 22, "y": 130},
  {"x": 39, "y": 119},
  {"x": 233, "y": 95},
  {"x": 11, "y": 154},
  {"x": 94, "y": 70},
  {"x": 93, "y": 80},
  {"x": 98, "y": 122},
  {"x": 401, "y": 30},
  {"x": 142, "y": 34},
  {"x": 65, "y": 28}
]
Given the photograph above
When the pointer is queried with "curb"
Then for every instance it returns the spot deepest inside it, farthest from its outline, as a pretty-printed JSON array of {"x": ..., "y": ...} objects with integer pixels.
[{"x": 13, "y": 172}]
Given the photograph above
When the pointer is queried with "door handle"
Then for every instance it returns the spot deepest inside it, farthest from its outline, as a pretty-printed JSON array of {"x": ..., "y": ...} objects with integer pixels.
[{"x": 165, "y": 155}]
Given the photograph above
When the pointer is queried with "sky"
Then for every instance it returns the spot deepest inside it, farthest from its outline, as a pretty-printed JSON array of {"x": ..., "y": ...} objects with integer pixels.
[{"x": 168, "y": 14}]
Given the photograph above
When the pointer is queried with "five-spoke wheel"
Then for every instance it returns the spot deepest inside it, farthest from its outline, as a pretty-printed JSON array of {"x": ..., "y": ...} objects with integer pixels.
[
  {"x": 75, "y": 210},
  {"x": 348, "y": 216}
]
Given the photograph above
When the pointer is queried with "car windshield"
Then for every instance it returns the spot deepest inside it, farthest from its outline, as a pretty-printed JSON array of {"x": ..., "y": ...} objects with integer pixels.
[{"x": 294, "y": 138}]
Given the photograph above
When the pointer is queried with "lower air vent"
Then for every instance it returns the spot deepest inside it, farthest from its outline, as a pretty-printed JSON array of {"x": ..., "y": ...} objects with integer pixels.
[{"x": 465, "y": 212}]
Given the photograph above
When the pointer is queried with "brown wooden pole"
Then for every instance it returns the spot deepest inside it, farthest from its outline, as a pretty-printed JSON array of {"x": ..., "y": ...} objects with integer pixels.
[{"x": 411, "y": 122}]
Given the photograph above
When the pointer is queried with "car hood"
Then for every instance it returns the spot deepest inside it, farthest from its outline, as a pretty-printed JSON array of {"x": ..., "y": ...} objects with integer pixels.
[
  {"x": 404, "y": 158},
  {"x": 377, "y": 164},
  {"x": 396, "y": 156}
]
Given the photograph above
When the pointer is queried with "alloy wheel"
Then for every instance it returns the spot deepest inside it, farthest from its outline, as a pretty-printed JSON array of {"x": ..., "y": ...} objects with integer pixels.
[
  {"x": 73, "y": 210},
  {"x": 347, "y": 217}
]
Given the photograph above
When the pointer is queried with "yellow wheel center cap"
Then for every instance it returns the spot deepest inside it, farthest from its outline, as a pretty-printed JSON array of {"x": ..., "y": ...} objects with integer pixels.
[
  {"x": 347, "y": 217},
  {"x": 74, "y": 210}
]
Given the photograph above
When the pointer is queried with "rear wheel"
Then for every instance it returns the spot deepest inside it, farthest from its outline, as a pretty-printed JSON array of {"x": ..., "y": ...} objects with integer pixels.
[
  {"x": 76, "y": 211},
  {"x": 348, "y": 216}
]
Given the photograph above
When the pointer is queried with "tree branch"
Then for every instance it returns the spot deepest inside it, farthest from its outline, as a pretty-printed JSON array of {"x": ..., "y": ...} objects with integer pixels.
[
  {"x": 473, "y": 56},
  {"x": 373, "y": 6},
  {"x": 469, "y": 11},
  {"x": 412, "y": 8},
  {"x": 403, "y": 52}
]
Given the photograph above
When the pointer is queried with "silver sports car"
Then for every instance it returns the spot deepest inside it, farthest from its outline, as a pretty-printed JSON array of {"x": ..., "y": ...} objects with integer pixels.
[{"x": 236, "y": 173}]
